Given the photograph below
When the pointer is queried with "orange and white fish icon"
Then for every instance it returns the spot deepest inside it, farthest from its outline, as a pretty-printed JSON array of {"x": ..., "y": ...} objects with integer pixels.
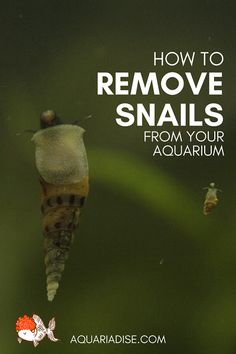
[
  {"x": 32, "y": 329},
  {"x": 211, "y": 199}
]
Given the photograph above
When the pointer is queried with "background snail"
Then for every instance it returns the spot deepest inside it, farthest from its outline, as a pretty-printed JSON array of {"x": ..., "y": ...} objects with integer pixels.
[{"x": 211, "y": 199}]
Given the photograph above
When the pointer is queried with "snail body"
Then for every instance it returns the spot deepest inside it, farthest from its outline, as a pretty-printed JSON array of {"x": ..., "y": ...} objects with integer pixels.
[
  {"x": 62, "y": 165},
  {"x": 211, "y": 199}
]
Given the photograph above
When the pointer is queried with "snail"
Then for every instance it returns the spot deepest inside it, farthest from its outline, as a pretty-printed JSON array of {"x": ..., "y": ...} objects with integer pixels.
[
  {"x": 61, "y": 161},
  {"x": 211, "y": 199}
]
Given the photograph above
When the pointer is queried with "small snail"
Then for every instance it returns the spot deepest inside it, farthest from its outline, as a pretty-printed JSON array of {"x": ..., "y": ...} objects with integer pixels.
[{"x": 211, "y": 199}]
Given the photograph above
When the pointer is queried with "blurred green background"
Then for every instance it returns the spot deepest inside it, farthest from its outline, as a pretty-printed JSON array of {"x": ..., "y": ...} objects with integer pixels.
[{"x": 145, "y": 260}]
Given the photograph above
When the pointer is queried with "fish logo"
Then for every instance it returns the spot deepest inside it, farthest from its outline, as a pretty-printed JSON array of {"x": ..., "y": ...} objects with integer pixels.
[{"x": 32, "y": 329}]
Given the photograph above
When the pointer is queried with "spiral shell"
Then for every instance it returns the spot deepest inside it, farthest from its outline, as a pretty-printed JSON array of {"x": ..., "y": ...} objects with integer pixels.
[
  {"x": 63, "y": 168},
  {"x": 211, "y": 199}
]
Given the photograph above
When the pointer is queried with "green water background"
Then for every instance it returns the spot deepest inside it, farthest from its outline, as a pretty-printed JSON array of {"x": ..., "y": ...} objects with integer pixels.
[{"x": 145, "y": 260}]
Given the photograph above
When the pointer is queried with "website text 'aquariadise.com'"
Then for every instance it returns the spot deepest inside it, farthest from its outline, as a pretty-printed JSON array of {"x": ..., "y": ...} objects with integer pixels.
[{"x": 118, "y": 339}]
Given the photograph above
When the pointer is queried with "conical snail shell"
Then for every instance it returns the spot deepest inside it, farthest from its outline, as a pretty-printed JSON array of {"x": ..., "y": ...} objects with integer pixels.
[
  {"x": 211, "y": 199},
  {"x": 209, "y": 206},
  {"x": 62, "y": 164}
]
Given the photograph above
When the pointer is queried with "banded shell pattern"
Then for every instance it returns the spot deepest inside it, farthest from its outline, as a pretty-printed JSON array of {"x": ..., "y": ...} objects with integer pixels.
[{"x": 61, "y": 161}]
